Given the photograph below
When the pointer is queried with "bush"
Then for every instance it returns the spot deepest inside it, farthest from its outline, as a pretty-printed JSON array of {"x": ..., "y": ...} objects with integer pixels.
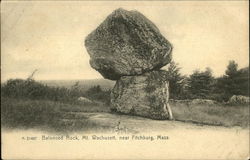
[
  {"x": 18, "y": 88},
  {"x": 96, "y": 93},
  {"x": 30, "y": 89}
]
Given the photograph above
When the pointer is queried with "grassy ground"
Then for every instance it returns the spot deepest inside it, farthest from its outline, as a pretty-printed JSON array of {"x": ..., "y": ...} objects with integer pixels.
[
  {"x": 49, "y": 115},
  {"x": 57, "y": 116},
  {"x": 220, "y": 115}
]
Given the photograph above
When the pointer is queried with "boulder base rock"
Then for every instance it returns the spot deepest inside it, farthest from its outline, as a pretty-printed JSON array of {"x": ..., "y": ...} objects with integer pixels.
[
  {"x": 127, "y": 43},
  {"x": 144, "y": 95}
]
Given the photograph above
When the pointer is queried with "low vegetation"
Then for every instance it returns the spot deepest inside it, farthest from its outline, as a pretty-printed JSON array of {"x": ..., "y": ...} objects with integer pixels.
[
  {"x": 61, "y": 116},
  {"x": 48, "y": 115},
  {"x": 31, "y": 89},
  {"x": 218, "y": 114},
  {"x": 26, "y": 103},
  {"x": 30, "y": 104}
]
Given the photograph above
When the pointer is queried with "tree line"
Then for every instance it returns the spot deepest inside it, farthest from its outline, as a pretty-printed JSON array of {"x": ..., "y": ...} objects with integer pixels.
[
  {"x": 198, "y": 85},
  {"x": 203, "y": 85}
]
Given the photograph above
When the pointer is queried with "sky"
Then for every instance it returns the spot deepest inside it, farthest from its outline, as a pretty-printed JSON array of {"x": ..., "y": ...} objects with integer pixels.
[{"x": 49, "y": 35}]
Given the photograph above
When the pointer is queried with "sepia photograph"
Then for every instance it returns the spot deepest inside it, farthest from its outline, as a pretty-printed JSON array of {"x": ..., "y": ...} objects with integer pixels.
[{"x": 125, "y": 79}]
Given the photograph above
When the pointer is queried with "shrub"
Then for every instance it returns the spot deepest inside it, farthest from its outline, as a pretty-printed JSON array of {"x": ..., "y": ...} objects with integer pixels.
[
  {"x": 96, "y": 93},
  {"x": 30, "y": 89}
]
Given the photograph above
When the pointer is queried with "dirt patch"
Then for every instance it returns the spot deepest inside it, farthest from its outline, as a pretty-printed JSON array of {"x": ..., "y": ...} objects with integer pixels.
[{"x": 185, "y": 140}]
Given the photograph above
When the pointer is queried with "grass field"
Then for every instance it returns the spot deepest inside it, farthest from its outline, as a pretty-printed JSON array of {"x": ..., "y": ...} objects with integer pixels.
[
  {"x": 219, "y": 115},
  {"x": 58, "y": 116},
  {"x": 49, "y": 115}
]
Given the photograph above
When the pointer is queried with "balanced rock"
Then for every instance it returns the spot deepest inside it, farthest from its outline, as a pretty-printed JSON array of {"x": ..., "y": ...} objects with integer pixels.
[
  {"x": 144, "y": 95},
  {"x": 127, "y": 43}
]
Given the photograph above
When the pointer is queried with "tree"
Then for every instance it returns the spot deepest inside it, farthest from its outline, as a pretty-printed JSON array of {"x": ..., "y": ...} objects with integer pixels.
[
  {"x": 232, "y": 68},
  {"x": 32, "y": 74},
  {"x": 234, "y": 82},
  {"x": 175, "y": 80},
  {"x": 200, "y": 84},
  {"x": 231, "y": 85},
  {"x": 243, "y": 81}
]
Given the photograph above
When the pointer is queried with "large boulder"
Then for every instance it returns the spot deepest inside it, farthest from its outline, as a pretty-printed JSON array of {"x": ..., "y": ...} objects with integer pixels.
[
  {"x": 144, "y": 95},
  {"x": 127, "y": 43},
  {"x": 84, "y": 100},
  {"x": 208, "y": 102},
  {"x": 239, "y": 100}
]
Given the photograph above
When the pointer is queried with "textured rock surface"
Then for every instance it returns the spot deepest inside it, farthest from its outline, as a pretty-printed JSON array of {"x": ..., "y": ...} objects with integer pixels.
[
  {"x": 127, "y": 43},
  {"x": 145, "y": 95},
  {"x": 238, "y": 99}
]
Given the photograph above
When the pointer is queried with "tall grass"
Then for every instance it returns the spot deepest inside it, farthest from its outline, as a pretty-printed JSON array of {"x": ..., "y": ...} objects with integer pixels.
[
  {"x": 51, "y": 115},
  {"x": 28, "y": 113}
]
